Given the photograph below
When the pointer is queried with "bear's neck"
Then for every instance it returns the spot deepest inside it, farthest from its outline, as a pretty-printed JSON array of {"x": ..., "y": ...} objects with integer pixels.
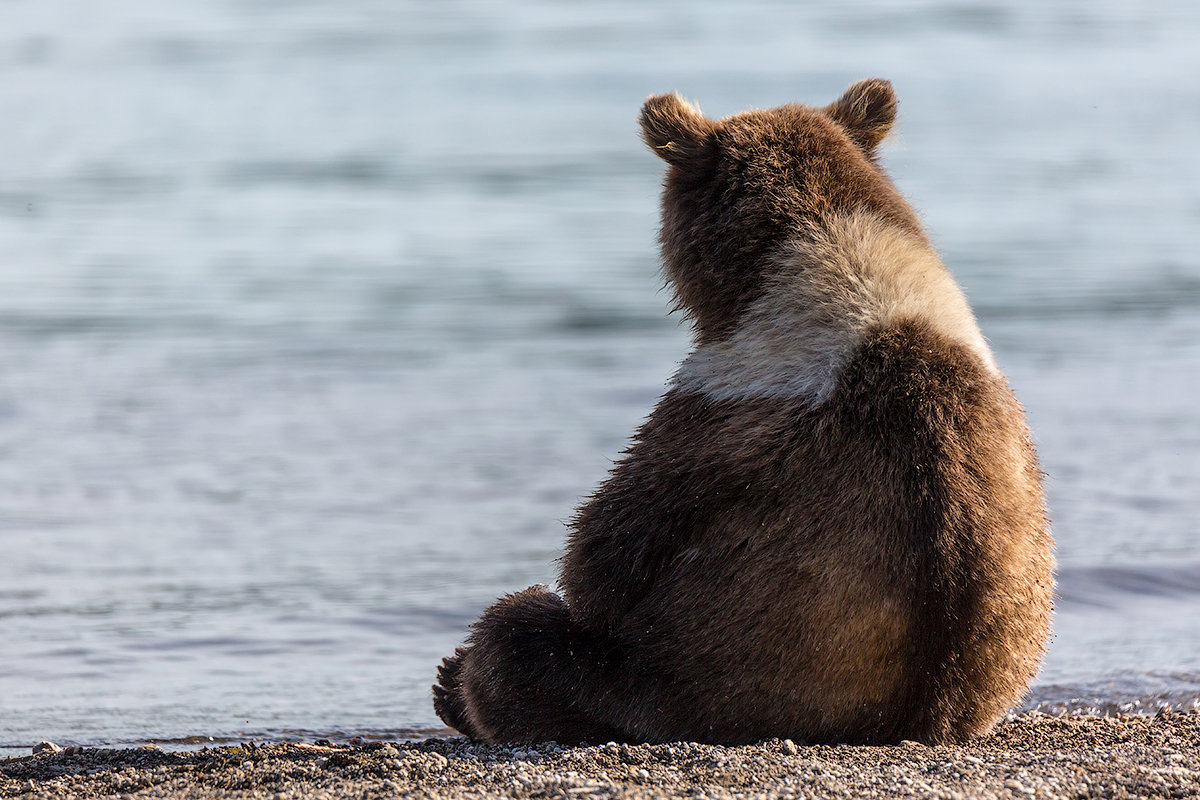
[{"x": 832, "y": 285}]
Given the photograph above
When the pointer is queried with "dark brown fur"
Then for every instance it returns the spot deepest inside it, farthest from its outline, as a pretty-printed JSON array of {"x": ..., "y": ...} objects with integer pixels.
[
  {"x": 872, "y": 568},
  {"x": 750, "y": 182}
]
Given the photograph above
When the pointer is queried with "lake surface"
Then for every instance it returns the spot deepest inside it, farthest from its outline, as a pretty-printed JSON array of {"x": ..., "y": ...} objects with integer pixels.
[{"x": 317, "y": 319}]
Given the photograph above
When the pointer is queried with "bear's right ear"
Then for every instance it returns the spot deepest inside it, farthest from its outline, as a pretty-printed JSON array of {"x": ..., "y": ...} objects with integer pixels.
[
  {"x": 867, "y": 111},
  {"x": 675, "y": 129}
]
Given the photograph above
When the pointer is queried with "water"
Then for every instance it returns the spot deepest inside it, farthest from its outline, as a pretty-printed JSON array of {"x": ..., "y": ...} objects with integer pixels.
[{"x": 316, "y": 320}]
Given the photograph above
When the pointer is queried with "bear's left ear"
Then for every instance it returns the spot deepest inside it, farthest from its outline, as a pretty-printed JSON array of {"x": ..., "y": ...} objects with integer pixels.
[
  {"x": 867, "y": 111},
  {"x": 675, "y": 129}
]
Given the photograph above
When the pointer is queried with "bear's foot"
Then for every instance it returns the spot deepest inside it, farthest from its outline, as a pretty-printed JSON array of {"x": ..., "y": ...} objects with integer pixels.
[
  {"x": 448, "y": 696},
  {"x": 530, "y": 673}
]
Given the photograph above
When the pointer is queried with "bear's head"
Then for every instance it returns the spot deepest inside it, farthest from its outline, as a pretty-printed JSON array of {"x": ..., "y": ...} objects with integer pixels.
[{"x": 738, "y": 188}]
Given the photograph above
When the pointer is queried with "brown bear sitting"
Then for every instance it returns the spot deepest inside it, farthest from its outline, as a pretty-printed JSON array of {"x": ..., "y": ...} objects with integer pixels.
[{"x": 831, "y": 528}]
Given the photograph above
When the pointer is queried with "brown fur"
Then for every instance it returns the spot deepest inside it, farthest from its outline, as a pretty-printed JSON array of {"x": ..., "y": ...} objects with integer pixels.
[{"x": 865, "y": 565}]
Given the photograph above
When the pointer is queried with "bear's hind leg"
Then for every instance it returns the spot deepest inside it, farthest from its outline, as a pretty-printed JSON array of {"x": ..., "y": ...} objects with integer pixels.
[
  {"x": 528, "y": 672},
  {"x": 448, "y": 699}
]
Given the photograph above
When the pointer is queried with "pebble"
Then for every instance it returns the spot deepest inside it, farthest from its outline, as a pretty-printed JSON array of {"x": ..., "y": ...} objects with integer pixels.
[
  {"x": 46, "y": 747},
  {"x": 1030, "y": 756}
]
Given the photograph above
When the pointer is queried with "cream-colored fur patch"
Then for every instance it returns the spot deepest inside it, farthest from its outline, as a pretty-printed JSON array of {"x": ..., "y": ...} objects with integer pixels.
[{"x": 858, "y": 273}]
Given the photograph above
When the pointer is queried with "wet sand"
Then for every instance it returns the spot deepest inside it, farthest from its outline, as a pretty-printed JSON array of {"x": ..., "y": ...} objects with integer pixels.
[{"x": 1032, "y": 756}]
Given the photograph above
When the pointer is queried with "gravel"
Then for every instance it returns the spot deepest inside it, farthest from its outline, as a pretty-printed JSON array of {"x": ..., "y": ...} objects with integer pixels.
[{"x": 1031, "y": 756}]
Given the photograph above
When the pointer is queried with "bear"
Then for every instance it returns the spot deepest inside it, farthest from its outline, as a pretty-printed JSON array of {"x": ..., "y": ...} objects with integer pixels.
[{"x": 831, "y": 528}]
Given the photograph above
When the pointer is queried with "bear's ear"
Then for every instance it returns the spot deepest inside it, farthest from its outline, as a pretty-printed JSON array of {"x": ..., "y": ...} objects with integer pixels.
[
  {"x": 675, "y": 129},
  {"x": 867, "y": 111}
]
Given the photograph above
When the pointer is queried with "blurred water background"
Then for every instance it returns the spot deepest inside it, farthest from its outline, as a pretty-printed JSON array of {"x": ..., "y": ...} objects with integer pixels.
[{"x": 318, "y": 318}]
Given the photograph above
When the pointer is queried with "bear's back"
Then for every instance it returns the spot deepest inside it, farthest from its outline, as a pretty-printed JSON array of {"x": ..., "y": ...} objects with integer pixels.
[
  {"x": 853, "y": 568},
  {"x": 860, "y": 534}
]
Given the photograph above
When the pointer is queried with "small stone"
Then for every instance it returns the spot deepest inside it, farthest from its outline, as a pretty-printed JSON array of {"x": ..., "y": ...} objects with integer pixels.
[
  {"x": 73, "y": 750},
  {"x": 789, "y": 747},
  {"x": 46, "y": 747},
  {"x": 643, "y": 774}
]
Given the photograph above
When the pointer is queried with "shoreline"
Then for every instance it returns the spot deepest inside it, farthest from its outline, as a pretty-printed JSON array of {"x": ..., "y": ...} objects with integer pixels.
[{"x": 1031, "y": 755}]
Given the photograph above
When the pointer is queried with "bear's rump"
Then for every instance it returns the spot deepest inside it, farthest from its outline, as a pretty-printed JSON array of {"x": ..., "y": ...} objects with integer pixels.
[{"x": 789, "y": 614}]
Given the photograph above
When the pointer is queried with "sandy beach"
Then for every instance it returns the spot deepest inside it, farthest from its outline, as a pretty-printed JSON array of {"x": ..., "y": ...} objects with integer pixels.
[{"x": 1033, "y": 755}]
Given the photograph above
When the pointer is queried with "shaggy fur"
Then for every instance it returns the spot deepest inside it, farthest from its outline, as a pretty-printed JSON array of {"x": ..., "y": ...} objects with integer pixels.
[
  {"x": 831, "y": 528},
  {"x": 833, "y": 286}
]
